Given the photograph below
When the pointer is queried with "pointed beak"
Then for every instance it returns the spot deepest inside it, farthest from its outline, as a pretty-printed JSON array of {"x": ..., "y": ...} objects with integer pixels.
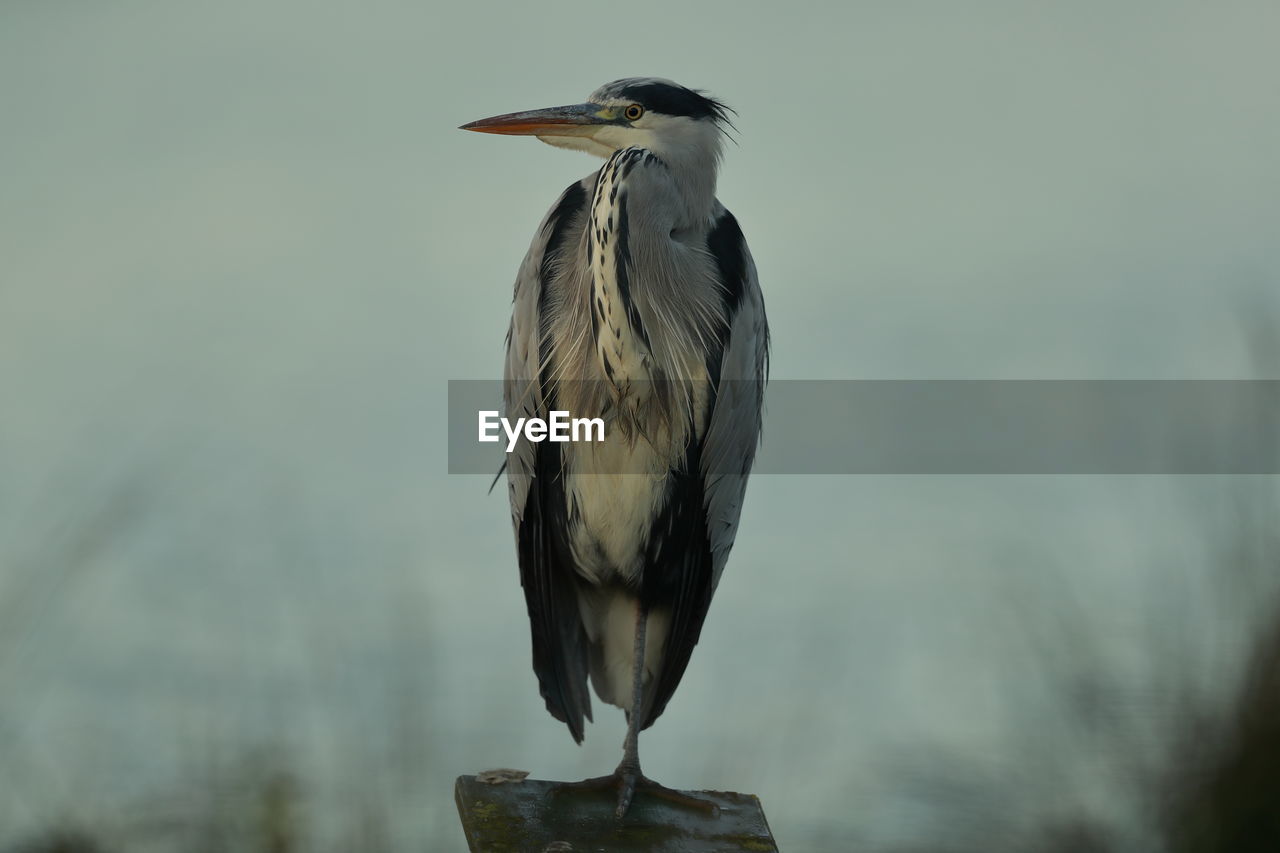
[{"x": 575, "y": 120}]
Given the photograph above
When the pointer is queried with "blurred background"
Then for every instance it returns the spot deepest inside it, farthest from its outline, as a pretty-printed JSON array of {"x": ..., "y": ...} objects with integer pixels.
[{"x": 243, "y": 248}]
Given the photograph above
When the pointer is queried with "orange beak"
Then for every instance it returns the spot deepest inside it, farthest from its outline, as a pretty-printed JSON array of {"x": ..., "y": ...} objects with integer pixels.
[{"x": 554, "y": 121}]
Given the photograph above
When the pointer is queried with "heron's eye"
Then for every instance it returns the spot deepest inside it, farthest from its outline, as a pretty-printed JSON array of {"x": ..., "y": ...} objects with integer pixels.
[{"x": 633, "y": 112}]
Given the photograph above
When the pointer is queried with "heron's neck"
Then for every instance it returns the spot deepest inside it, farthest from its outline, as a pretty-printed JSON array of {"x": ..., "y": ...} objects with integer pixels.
[{"x": 694, "y": 164}]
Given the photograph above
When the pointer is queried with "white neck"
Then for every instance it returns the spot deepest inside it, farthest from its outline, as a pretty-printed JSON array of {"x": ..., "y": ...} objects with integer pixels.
[{"x": 690, "y": 148}]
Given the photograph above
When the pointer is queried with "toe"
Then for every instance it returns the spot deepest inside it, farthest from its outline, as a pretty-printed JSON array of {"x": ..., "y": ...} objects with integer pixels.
[{"x": 626, "y": 791}]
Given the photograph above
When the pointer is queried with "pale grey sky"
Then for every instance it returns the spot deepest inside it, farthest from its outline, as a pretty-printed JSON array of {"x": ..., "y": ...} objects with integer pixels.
[{"x": 242, "y": 247}]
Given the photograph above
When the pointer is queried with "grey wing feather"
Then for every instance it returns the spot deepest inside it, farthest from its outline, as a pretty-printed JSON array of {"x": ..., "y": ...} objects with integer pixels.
[
  {"x": 524, "y": 394},
  {"x": 535, "y": 485},
  {"x": 733, "y": 433},
  {"x": 723, "y": 460}
]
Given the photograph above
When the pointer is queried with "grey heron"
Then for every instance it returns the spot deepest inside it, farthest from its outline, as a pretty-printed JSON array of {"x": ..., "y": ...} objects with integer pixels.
[{"x": 637, "y": 277}]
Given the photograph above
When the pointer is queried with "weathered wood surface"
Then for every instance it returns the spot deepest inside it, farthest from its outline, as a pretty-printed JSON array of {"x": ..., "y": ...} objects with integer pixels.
[{"x": 533, "y": 816}]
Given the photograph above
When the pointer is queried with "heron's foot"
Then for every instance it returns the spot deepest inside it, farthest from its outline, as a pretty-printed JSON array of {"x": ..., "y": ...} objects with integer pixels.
[
  {"x": 628, "y": 779},
  {"x": 678, "y": 798},
  {"x": 626, "y": 782}
]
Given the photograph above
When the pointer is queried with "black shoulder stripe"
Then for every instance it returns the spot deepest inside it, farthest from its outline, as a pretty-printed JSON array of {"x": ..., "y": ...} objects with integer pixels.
[
  {"x": 727, "y": 245},
  {"x": 571, "y": 201},
  {"x": 559, "y": 226}
]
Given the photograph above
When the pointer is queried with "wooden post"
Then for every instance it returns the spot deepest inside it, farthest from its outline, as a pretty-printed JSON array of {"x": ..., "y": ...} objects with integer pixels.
[{"x": 535, "y": 816}]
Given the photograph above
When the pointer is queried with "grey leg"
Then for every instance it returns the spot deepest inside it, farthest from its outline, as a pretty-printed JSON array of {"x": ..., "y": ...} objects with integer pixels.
[
  {"x": 627, "y": 779},
  {"x": 628, "y": 771}
]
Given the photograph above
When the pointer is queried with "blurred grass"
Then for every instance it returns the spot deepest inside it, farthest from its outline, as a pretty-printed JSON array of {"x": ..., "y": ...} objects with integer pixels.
[
  {"x": 1185, "y": 755},
  {"x": 1224, "y": 791}
]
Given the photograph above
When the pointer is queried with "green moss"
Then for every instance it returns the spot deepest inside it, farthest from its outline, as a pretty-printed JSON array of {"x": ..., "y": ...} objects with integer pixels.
[{"x": 484, "y": 812}]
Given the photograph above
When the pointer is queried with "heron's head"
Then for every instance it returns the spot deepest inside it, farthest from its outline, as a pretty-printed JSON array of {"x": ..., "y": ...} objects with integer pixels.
[{"x": 646, "y": 112}]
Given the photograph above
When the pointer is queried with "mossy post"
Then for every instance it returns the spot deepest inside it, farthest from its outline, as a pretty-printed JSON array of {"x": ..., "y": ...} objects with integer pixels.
[{"x": 533, "y": 816}]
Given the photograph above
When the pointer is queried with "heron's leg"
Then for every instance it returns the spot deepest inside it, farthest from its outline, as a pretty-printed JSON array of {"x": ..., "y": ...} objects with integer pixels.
[
  {"x": 628, "y": 771},
  {"x": 628, "y": 779}
]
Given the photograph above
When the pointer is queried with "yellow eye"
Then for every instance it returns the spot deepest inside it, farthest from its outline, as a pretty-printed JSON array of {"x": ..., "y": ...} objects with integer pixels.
[{"x": 633, "y": 112}]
